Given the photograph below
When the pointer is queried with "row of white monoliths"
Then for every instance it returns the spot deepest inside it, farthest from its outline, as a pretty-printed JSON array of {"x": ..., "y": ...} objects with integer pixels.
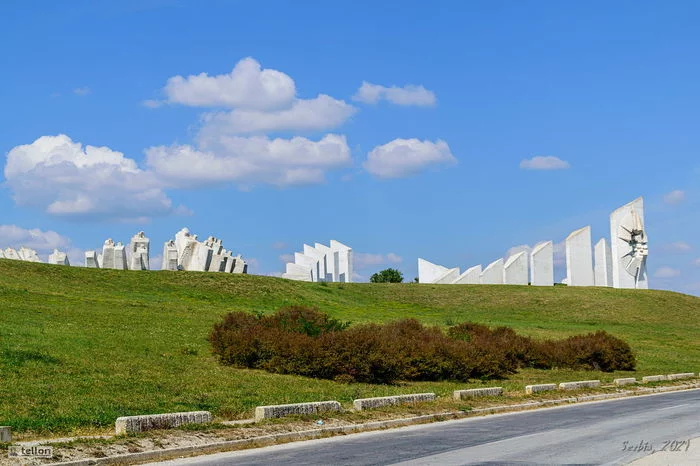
[
  {"x": 184, "y": 253},
  {"x": 620, "y": 263}
]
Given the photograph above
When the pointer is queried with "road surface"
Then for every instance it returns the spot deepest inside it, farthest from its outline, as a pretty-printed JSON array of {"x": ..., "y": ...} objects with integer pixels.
[{"x": 610, "y": 432}]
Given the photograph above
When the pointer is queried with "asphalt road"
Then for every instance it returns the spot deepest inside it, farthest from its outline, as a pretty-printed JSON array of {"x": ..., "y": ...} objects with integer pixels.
[{"x": 609, "y": 432}]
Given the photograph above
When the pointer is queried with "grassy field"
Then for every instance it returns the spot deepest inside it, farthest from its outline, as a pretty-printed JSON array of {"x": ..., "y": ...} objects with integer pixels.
[{"x": 80, "y": 347}]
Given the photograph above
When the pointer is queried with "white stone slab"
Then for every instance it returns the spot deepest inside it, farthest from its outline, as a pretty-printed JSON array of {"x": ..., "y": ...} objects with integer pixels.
[
  {"x": 307, "y": 261},
  {"x": 332, "y": 262},
  {"x": 579, "y": 258},
  {"x": 515, "y": 269},
  {"x": 12, "y": 254},
  {"x": 345, "y": 261},
  {"x": 58, "y": 258},
  {"x": 139, "y": 252},
  {"x": 230, "y": 262},
  {"x": 476, "y": 392},
  {"x": 684, "y": 375},
  {"x": 654, "y": 378},
  {"x": 448, "y": 277},
  {"x": 91, "y": 261},
  {"x": 120, "y": 262},
  {"x": 471, "y": 276},
  {"x": 625, "y": 381},
  {"x": 493, "y": 273},
  {"x": 297, "y": 272},
  {"x": 108, "y": 254},
  {"x": 2, "y": 254},
  {"x": 542, "y": 264},
  {"x": 629, "y": 246},
  {"x": 128, "y": 424},
  {"x": 379, "y": 402},
  {"x": 28, "y": 255},
  {"x": 579, "y": 385},
  {"x": 274, "y": 411},
  {"x": 602, "y": 268},
  {"x": 530, "y": 389},
  {"x": 429, "y": 272},
  {"x": 320, "y": 258},
  {"x": 239, "y": 265},
  {"x": 169, "y": 256}
]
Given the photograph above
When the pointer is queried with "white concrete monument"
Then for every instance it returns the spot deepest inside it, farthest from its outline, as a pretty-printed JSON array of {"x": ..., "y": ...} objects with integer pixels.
[
  {"x": 471, "y": 276},
  {"x": 542, "y": 264},
  {"x": 12, "y": 254},
  {"x": 493, "y": 273},
  {"x": 28, "y": 255},
  {"x": 58, "y": 258},
  {"x": 515, "y": 269},
  {"x": 602, "y": 268},
  {"x": 321, "y": 263},
  {"x": 579, "y": 258},
  {"x": 629, "y": 246},
  {"x": 120, "y": 262},
  {"x": 431, "y": 273},
  {"x": 345, "y": 261},
  {"x": 139, "y": 249},
  {"x": 91, "y": 261},
  {"x": 169, "y": 256},
  {"x": 108, "y": 254}
]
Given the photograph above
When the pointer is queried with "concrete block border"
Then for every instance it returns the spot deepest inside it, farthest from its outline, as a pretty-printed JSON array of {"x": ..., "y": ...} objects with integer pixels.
[
  {"x": 624, "y": 381},
  {"x": 5, "y": 434},
  {"x": 474, "y": 392},
  {"x": 653, "y": 378},
  {"x": 579, "y": 384},
  {"x": 127, "y": 424},
  {"x": 684, "y": 375},
  {"x": 530, "y": 389},
  {"x": 274, "y": 411},
  {"x": 369, "y": 403}
]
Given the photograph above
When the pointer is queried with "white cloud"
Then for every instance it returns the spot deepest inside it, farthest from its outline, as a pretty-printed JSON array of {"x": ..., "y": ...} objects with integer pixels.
[
  {"x": 247, "y": 86},
  {"x": 279, "y": 245},
  {"x": 15, "y": 237},
  {"x": 407, "y": 95},
  {"x": 82, "y": 91},
  {"x": 674, "y": 197},
  {"x": 64, "y": 178},
  {"x": 364, "y": 260},
  {"x": 152, "y": 103},
  {"x": 666, "y": 272},
  {"x": 323, "y": 112},
  {"x": 405, "y": 157},
  {"x": 286, "y": 258},
  {"x": 540, "y": 162},
  {"x": 697, "y": 262},
  {"x": 678, "y": 246},
  {"x": 247, "y": 161}
]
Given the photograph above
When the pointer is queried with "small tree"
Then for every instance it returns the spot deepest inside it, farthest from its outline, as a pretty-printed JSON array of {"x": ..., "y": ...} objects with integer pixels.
[{"x": 387, "y": 276}]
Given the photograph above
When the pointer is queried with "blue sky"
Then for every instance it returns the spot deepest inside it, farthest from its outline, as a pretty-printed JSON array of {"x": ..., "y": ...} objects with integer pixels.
[{"x": 250, "y": 121}]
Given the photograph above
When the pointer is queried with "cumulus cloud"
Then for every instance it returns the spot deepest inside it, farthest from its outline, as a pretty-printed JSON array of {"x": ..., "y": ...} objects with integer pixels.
[
  {"x": 248, "y": 161},
  {"x": 63, "y": 178},
  {"x": 246, "y": 86},
  {"x": 322, "y": 113},
  {"x": 678, "y": 246},
  {"x": 674, "y": 197},
  {"x": 363, "y": 260},
  {"x": 405, "y": 157},
  {"x": 666, "y": 272},
  {"x": 540, "y": 162},
  {"x": 13, "y": 236},
  {"x": 407, "y": 95},
  {"x": 286, "y": 258}
]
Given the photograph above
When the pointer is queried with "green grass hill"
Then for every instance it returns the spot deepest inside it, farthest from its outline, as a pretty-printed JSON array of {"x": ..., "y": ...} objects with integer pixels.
[{"x": 80, "y": 347}]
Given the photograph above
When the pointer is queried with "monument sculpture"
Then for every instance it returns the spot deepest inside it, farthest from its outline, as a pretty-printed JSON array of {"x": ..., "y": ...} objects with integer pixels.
[
  {"x": 58, "y": 258},
  {"x": 629, "y": 246},
  {"x": 320, "y": 263},
  {"x": 619, "y": 262}
]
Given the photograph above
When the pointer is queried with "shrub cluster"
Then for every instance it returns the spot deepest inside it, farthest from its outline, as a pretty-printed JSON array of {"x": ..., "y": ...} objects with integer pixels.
[{"x": 304, "y": 341}]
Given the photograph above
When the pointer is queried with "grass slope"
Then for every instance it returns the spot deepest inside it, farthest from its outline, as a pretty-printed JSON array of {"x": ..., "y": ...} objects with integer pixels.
[{"x": 80, "y": 347}]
